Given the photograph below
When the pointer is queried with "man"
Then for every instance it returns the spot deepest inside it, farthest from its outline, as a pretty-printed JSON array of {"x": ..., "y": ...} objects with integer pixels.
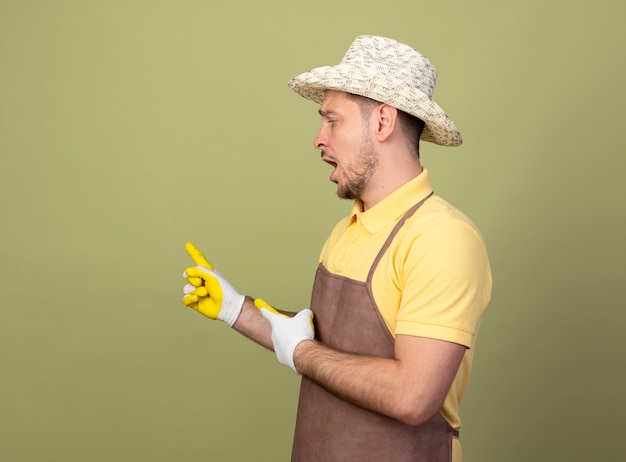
[{"x": 402, "y": 282}]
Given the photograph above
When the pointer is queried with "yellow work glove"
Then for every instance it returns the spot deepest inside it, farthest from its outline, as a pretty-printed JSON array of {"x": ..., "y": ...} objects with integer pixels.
[
  {"x": 208, "y": 292},
  {"x": 287, "y": 332},
  {"x": 260, "y": 303}
]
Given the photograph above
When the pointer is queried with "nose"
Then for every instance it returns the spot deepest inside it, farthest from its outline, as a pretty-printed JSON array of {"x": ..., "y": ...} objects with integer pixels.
[{"x": 320, "y": 140}]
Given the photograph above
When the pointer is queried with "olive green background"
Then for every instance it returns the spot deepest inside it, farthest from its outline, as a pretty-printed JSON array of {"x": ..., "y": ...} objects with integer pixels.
[{"x": 130, "y": 127}]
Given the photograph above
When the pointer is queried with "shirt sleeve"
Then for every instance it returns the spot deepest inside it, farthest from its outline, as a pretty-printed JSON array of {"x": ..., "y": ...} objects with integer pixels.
[{"x": 446, "y": 283}]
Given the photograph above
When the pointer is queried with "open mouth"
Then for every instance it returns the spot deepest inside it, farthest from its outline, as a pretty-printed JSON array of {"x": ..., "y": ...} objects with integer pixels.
[
  {"x": 329, "y": 162},
  {"x": 334, "y": 166}
]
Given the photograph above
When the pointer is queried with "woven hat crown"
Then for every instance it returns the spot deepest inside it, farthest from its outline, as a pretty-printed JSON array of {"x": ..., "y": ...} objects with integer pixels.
[
  {"x": 388, "y": 71},
  {"x": 387, "y": 56}
]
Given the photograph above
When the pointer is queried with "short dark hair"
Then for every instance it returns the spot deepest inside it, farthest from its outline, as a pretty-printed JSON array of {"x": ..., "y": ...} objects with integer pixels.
[{"x": 413, "y": 127}]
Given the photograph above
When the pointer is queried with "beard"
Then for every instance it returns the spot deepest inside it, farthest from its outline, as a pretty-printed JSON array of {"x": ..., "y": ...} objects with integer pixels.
[{"x": 357, "y": 175}]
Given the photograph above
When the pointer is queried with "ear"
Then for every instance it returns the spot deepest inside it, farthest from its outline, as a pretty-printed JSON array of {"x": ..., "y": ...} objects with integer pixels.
[{"x": 386, "y": 120}]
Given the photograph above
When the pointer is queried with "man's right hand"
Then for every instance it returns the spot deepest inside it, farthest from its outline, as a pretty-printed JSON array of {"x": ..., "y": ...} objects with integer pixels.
[{"x": 208, "y": 292}]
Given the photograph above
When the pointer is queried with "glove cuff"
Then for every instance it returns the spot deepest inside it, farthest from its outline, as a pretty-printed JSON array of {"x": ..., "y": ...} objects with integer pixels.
[{"x": 230, "y": 312}]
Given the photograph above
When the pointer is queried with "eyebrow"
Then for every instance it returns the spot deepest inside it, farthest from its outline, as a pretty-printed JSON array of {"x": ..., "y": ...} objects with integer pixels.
[{"x": 327, "y": 113}]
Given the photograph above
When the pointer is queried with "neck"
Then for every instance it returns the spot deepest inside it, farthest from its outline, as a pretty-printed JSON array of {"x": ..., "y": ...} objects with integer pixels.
[{"x": 386, "y": 182}]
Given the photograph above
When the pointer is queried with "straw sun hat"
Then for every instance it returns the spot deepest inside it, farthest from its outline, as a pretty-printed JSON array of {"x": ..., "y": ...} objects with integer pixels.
[{"x": 387, "y": 71}]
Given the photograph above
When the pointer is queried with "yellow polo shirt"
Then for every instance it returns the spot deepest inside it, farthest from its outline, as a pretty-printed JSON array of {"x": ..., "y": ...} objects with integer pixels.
[{"x": 434, "y": 280}]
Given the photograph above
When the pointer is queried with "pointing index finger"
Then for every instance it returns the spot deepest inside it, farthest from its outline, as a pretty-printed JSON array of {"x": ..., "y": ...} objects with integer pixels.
[{"x": 197, "y": 256}]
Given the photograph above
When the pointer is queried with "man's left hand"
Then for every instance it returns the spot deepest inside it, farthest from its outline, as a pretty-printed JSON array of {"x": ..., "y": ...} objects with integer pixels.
[{"x": 288, "y": 332}]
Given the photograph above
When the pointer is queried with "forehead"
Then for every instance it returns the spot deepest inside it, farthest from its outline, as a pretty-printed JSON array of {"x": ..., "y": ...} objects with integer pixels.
[{"x": 337, "y": 101}]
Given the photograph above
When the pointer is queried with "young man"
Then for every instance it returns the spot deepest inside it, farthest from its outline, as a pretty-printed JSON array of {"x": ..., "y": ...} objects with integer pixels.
[{"x": 386, "y": 349}]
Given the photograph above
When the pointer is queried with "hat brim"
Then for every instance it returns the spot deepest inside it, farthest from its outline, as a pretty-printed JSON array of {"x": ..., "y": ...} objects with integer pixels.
[{"x": 379, "y": 86}]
